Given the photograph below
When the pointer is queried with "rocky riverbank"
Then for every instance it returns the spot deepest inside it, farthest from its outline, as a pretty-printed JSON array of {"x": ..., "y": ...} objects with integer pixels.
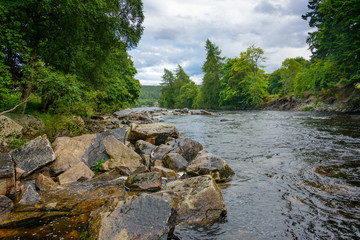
[{"x": 133, "y": 178}]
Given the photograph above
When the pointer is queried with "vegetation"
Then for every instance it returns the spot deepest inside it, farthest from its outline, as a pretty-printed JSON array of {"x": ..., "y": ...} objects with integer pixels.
[
  {"x": 69, "y": 52},
  {"x": 149, "y": 95}
]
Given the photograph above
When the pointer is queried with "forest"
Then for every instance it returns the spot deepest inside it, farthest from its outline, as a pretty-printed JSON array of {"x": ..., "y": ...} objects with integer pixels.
[{"x": 71, "y": 57}]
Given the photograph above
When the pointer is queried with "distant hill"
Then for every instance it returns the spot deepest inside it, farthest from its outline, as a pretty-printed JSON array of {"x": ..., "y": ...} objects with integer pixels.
[{"x": 149, "y": 95}]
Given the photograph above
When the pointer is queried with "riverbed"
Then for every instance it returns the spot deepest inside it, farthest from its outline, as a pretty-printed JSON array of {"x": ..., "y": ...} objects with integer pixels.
[{"x": 297, "y": 173}]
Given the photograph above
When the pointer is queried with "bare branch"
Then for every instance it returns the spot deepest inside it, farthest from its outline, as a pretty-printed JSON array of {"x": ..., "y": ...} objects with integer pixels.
[{"x": 25, "y": 101}]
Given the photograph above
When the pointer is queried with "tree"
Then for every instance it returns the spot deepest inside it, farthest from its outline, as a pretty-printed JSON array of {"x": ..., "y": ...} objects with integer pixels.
[
  {"x": 337, "y": 35},
  {"x": 167, "y": 97},
  {"x": 210, "y": 87},
  {"x": 188, "y": 95},
  {"x": 275, "y": 83},
  {"x": 74, "y": 37},
  {"x": 289, "y": 69}
]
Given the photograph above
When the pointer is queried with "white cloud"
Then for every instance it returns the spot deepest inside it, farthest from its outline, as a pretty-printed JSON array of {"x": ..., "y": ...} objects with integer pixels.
[{"x": 176, "y": 31}]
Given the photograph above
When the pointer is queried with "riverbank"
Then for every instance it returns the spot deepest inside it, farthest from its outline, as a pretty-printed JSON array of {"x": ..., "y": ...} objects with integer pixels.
[{"x": 338, "y": 99}]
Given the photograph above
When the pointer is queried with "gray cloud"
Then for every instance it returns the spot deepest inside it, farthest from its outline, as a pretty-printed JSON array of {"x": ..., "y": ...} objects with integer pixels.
[{"x": 176, "y": 31}]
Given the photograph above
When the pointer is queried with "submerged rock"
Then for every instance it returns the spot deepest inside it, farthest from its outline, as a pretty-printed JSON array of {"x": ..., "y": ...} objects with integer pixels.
[
  {"x": 34, "y": 155},
  {"x": 156, "y": 133},
  {"x": 200, "y": 200},
  {"x": 149, "y": 216},
  {"x": 144, "y": 181},
  {"x": 210, "y": 164}
]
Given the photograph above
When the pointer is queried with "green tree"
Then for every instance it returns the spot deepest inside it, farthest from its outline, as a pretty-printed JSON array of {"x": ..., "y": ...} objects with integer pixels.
[
  {"x": 275, "y": 83},
  {"x": 337, "y": 35},
  {"x": 289, "y": 69},
  {"x": 210, "y": 87},
  {"x": 167, "y": 97},
  {"x": 188, "y": 94}
]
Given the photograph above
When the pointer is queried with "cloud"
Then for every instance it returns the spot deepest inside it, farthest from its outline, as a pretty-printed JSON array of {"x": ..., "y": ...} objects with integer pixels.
[{"x": 176, "y": 31}]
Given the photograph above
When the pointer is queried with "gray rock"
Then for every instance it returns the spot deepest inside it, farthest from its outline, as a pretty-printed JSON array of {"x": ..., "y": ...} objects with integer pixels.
[
  {"x": 32, "y": 126},
  {"x": 34, "y": 155},
  {"x": 30, "y": 196},
  {"x": 8, "y": 126},
  {"x": 200, "y": 200},
  {"x": 149, "y": 216},
  {"x": 149, "y": 181},
  {"x": 75, "y": 173},
  {"x": 210, "y": 164},
  {"x": 7, "y": 174},
  {"x": 186, "y": 147},
  {"x": 6, "y": 205},
  {"x": 123, "y": 113},
  {"x": 175, "y": 162},
  {"x": 155, "y": 133},
  {"x": 142, "y": 147},
  {"x": 159, "y": 152}
]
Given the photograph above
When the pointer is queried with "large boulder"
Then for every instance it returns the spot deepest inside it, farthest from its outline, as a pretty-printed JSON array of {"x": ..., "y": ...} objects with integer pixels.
[
  {"x": 34, "y": 155},
  {"x": 159, "y": 152},
  {"x": 142, "y": 147},
  {"x": 150, "y": 181},
  {"x": 122, "y": 158},
  {"x": 129, "y": 114},
  {"x": 7, "y": 174},
  {"x": 186, "y": 147},
  {"x": 149, "y": 216},
  {"x": 76, "y": 172},
  {"x": 8, "y": 127},
  {"x": 175, "y": 161},
  {"x": 32, "y": 126},
  {"x": 200, "y": 200},
  {"x": 209, "y": 164},
  {"x": 156, "y": 133}
]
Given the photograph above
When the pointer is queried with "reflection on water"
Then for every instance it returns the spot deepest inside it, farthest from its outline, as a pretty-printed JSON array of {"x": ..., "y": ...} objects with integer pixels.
[{"x": 297, "y": 174}]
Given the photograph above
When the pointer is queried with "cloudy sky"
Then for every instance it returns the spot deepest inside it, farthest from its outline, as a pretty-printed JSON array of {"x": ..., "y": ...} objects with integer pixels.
[{"x": 176, "y": 31}]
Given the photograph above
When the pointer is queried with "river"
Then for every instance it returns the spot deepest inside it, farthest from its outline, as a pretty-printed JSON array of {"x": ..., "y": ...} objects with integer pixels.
[{"x": 297, "y": 173}]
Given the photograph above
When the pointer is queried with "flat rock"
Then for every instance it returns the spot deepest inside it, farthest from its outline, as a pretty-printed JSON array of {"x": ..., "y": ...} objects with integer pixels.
[
  {"x": 200, "y": 200},
  {"x": 156, "y": 133},
  {"x": 149, "y": 216},
  {"x": 34, "y": 155},
  {"x": 122, "y": 158},
  {"x": 79, "y": 170},
  {"x": 175, "y": 162},
  {"x": 144, "y": 181},
  {"x": 209, "y": 164}
]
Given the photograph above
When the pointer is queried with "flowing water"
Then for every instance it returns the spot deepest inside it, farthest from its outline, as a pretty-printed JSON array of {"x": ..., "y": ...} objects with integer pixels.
[{"x": 297, "y": 174}]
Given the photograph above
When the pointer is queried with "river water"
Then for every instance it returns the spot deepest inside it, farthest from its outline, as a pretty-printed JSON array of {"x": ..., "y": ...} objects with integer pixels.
[{"x": 297, "y": 173}]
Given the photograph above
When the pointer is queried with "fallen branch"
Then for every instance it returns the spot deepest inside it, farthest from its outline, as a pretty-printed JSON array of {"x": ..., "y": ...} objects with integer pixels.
[{"x": 16, "y": 106}]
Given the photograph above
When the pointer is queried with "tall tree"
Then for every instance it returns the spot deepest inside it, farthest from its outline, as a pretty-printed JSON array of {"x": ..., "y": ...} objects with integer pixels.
[
  {"x": 210, "y": 87},
  {"x": 289, "y": 69},
  {"x": 167, "y": 97},
  {"x": 337, "y": 35}
]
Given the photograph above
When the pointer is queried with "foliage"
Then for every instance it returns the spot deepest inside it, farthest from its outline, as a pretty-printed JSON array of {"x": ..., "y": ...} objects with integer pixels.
[
  {"x": 275, "y": 82},
  {"x": 210, "y": 87},
  {"x": 63, "y": 125},
  {"x": 167, "y": 97},
  {"x": 98, "y": 165},
  {"x": 289, "y": 69},
  {"x": 244, "y": 83},
  {"x": 16, "y": 142},
  {"x": 188, "y": 95}
]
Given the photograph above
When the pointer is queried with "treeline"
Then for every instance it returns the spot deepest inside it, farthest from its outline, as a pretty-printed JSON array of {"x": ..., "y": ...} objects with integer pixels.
[
  {"x": 149, "y": 95},
  {"x": 241, "y": 82},
  {"x": 71, "y": 55}
]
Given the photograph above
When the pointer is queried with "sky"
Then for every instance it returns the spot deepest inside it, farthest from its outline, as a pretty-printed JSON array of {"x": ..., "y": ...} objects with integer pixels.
[{"x": 176, "y": 32}]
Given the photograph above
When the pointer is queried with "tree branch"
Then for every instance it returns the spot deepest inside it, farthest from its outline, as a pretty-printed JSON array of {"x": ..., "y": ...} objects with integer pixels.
[{"x": 16, "y": 106}]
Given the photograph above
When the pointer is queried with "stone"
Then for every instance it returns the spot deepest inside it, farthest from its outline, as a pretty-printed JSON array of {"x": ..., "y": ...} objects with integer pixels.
[
  {"x": 123, "y": 113},
  {"x": 44, "y": 183},
  {"x": 32, "y": 126},
  {"x": 146, "y": 160},
  {"x": 165, "y": 172},
  {"x": 150, "y": 181},
  {"x": 36, "y": 154},
  {"x": 70, "y": 151},
  {"x": 142, "y": 147},
  {"x": 186, "y": 147},
  {"x": 159, "y": 152},
  {"x": 200, "y": 200},
  {"x": 210, "y": 164},
  {"x": 7, "y": 176},
  {"x": 159, "y": 132},
  {"x": 158, "y": 163},
  {"x": 121, "y": 157},
  {"x": 8, "y": 127},
  {"x": 30, "y": 196},
  {"x": 76, "y": 172},
  {"x": 175, "y": 162},
  {"x": 200, "y": 112},
  {"x": 6, "y": 205},
  {"x": 120, "y": 134},
  {"x": 149, "y": 216}
]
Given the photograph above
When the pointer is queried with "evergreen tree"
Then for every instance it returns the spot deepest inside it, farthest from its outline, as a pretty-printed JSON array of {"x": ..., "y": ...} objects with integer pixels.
[
  {"x": 210, "y": 87},
  {"x": 167, "y": 97}
]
